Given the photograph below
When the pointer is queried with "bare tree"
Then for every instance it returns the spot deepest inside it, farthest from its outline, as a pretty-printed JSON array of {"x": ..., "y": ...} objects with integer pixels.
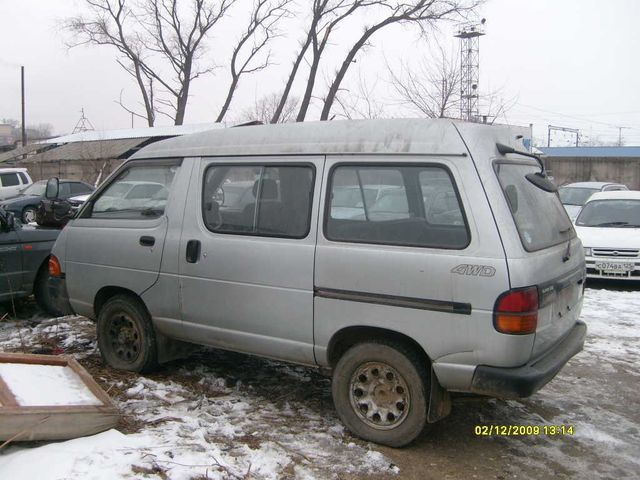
[
  {"x": 108, "y": 24},
  {"x": 153, "y": 36},
  {"x": 423, "y": 13},
  {"x": 360, "y": 102},
  {"x": 432, "y": 87},
  {"x": 325, "y": 16},
  {"x": 325, "y": 19},
  {"x": 262, "y": 28},
  {"x": 264, "y": 109}
]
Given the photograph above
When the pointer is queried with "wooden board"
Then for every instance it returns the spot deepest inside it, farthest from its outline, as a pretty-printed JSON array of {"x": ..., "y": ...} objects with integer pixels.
[{"x": 56, "y": 422}]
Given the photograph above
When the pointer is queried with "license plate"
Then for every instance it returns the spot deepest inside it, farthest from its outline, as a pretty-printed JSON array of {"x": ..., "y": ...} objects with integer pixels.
[{"x": 615, "y": 266}]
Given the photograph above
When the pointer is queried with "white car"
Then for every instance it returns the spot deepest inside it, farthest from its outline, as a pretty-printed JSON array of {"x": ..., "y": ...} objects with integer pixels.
[
  {"x": 12, "y": 181},
  {"x": 609, "y": 227},
  {"x": 574, "y": 195}
]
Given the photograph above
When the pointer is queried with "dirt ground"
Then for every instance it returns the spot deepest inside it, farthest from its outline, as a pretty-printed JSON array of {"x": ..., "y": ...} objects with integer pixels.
[{"x": 596, "y": 395}]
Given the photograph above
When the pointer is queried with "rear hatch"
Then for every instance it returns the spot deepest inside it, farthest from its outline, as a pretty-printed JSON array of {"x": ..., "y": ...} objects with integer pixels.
[{"x": 551, "y": 257}]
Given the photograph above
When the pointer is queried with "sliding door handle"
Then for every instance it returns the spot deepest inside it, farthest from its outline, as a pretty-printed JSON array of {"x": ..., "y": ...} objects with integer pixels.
[{"x": 193, "y": 251}]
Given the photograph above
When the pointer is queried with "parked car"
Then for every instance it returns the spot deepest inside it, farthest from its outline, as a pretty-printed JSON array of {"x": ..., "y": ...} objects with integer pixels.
[
  {"x": 609, "y": 227},
  {"x": 24, "y": 256},
  {"x": 574, "y": 195},
  {"x": 12, "y": 181},
  {"x": 460, "y": 286},
  {"x": 25, "y": 204}
]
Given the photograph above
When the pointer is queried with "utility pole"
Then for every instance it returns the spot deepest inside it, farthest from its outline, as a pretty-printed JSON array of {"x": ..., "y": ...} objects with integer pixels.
[
  {"x": 24, "y": 131},
  {"x": 563, "y": 129},
  {"x": 620, "y": 135}
]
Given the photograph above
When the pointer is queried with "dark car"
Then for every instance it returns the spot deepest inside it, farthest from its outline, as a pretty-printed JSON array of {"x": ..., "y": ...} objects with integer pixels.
[
  {"x": 24, "y": 258},
  {"x": 25, "y": 205}
]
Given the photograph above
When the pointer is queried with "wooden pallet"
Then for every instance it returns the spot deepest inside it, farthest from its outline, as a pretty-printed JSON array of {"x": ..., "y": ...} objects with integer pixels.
[{"x": 55, "y": 422}]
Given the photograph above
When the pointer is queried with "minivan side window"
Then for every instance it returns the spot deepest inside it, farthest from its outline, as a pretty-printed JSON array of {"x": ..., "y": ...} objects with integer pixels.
[
  {"x": 9, "y": 179},
  {"x": 264, "y": 200},
  {"x": 23, "y": 178},
  {"x": 137, "y": 193},
  {"x": 395, "y": 205}
]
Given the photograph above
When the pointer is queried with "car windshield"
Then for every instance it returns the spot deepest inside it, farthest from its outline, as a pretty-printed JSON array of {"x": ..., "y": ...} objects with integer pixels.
[
  {"x": 37, "y": 188},
  {"x": 618, "y": 213},
  {"x": 575, "y": 195}
]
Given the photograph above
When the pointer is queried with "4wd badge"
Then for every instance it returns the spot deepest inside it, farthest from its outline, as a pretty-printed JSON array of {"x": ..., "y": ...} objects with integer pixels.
[{"x": 475, "y": 270}]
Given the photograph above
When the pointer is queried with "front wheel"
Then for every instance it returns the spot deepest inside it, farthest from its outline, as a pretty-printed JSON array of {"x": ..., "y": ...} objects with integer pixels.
[
  {"x": 29, "y": 215},
  {"x": 380, "y": 391},
  {"x": 126, "y": 337}
]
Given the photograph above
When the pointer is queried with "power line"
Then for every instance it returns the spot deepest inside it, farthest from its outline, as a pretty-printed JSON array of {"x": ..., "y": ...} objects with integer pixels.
[{"x": 568, "y": 116}]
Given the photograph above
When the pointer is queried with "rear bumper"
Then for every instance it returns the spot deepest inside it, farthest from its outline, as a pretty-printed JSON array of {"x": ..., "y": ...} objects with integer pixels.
[
  {"x": 523, "y": 381},
  {"x": 59, "y": 296}
]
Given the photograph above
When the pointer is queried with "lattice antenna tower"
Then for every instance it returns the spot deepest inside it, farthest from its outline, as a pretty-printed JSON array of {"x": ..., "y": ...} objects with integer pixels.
[
  {"x": 469, "y": 35},
  {"x": 84, "y": 124}
]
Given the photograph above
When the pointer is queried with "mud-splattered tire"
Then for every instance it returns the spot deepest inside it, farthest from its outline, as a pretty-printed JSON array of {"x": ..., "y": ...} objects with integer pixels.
[
  {"x": 380, "y": 391},
  {"x": 126, "y": 337},
  {"x": 41, "y": 293}
]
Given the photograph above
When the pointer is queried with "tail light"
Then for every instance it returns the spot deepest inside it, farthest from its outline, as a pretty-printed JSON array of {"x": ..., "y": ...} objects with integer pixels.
[
  {"x": 516, "y": 311},
  {"x": 54, "y": 266}
]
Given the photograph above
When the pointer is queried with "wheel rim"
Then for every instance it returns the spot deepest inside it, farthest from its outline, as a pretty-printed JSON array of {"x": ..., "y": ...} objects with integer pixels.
[
  {"x": 379, "y": 395},
  {"x": 124, "y": 337},
  {"x": 29, "y": 215}
]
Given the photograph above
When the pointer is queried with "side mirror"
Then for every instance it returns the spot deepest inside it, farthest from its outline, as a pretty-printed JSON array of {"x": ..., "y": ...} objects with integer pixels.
[{"x": 53, "y": 188}]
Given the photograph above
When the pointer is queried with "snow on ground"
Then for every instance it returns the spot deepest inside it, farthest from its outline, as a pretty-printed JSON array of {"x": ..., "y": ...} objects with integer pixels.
[
  {"x": 596, "y": 393},
  {"x": 215, "y": 415},
  {"x": 226, "y": 415}
]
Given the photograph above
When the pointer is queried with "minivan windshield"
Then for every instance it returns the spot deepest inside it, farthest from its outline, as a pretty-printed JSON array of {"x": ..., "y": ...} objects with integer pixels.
[
  {"x": 539, "y": 216},
  {"x": 618, "y": 213},
  {"x": 575, "y": 195}
]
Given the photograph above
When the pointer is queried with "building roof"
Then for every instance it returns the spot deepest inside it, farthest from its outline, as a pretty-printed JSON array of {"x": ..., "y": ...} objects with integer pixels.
[
  {"x": 91, "y": 150},
  {"x": 18, "y": 152},
  {"x": 408, "y": 136},
  {"x": 612, "y": 152},
  {"x": 145, "y": 132}
]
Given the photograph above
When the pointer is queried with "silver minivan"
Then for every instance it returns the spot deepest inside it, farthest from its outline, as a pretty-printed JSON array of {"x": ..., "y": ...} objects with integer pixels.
[{"x": 408, "y": 258}]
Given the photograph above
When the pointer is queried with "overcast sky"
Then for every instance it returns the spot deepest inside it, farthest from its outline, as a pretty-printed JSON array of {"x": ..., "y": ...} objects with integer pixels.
[{"x": 570, "y": 63}]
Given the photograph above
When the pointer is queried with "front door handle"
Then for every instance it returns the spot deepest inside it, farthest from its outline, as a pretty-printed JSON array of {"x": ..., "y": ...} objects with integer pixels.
[
  {"x": 193, "y": 251},
  {"x": 146, "y": 241}
]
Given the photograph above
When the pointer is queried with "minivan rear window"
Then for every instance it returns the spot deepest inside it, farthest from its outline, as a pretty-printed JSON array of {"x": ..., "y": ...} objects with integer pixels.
[{"x": 539, "y": 216}]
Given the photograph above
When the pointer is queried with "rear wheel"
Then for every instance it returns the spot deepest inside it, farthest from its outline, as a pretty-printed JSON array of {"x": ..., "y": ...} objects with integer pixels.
[
  {"x": 380, "y": 390},
  {"x": 29, "y": 214},
  {"x": 126, "y": 337}
]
